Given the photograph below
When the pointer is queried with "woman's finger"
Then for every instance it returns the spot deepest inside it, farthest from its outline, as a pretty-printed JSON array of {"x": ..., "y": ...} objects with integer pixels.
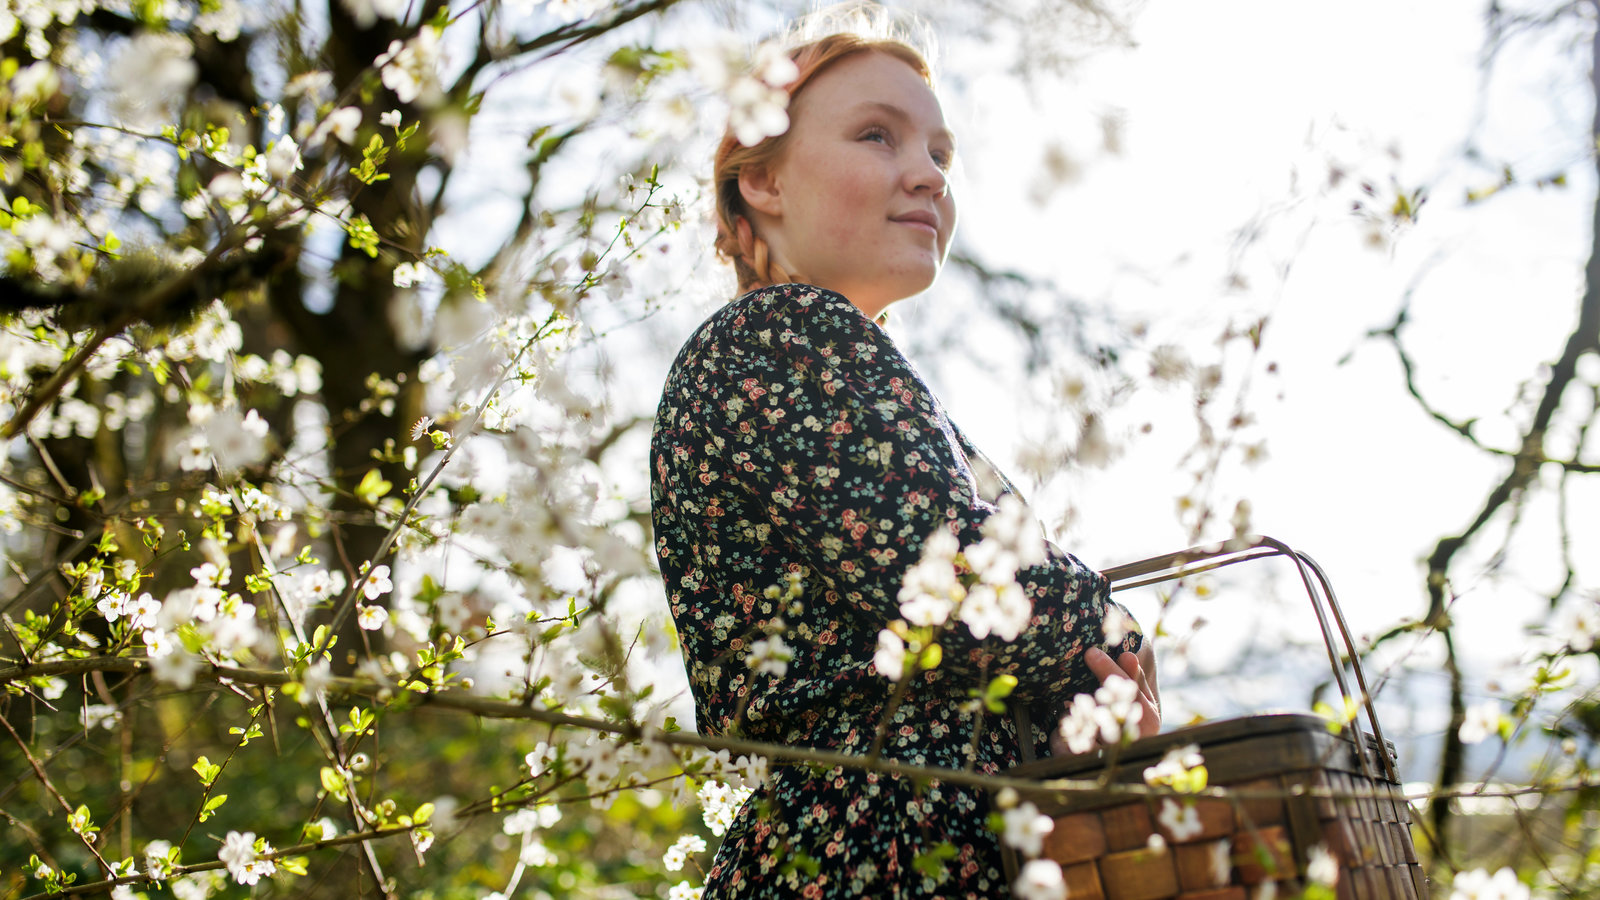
[
  {"x": 1134, "y": 669},
  {"x": 1102, "y": 665},
  {"x": 1150, "y": 717}
]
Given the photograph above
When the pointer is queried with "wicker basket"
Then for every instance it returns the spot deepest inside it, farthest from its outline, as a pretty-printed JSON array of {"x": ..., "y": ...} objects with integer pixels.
[{"x": 1292, "y": 786}]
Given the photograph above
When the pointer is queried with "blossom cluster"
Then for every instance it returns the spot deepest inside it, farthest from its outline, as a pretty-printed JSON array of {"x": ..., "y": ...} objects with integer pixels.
[
  {"x": 753, "y": 86},
  {"x": 976, "y": 585},
  {"x": 1110, "y": 715},
  {"x": 1023, "y": 828}
]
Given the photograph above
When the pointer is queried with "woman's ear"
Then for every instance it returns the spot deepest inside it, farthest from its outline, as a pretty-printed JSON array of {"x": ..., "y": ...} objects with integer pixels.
[{"x": 760, "y": 191}]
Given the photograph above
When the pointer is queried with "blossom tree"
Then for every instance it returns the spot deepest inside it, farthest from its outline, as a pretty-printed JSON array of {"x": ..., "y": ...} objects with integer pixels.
[
  {"x": 251, "y": 405},
  {"x": 321, "y": 579}
]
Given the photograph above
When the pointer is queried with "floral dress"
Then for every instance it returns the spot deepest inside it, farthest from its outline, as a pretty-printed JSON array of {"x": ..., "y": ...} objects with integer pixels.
[{"x": 794, "y": 442}]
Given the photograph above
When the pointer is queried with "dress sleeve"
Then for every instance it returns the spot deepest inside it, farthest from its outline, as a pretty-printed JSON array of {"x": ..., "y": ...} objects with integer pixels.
[{"x": 838, "y": 439}]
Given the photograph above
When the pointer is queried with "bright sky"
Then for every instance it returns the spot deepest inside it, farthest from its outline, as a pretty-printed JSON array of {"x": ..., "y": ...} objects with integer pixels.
[{"x": 1232, "y": 111}]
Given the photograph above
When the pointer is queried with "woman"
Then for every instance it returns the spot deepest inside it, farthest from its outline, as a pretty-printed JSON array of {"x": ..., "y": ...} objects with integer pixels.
[{"x": 800, "y": 466}]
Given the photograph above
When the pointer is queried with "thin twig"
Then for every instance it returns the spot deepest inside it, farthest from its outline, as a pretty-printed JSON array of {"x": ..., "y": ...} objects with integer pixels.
[{"x": 44, "y": 779}]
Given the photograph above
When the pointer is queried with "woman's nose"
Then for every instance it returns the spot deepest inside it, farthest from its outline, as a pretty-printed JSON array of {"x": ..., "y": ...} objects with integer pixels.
[{"x": 926, "y": 174}]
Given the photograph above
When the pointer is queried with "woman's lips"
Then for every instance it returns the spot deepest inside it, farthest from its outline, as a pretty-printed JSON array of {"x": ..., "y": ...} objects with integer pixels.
[{"x": 917, "y": 222}]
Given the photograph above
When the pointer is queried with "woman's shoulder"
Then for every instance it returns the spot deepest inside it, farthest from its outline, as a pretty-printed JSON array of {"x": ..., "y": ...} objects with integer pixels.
[{"x": 783, "y": 312}]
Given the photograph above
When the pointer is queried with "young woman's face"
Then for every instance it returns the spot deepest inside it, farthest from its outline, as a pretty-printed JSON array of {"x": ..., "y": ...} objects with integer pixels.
[{"x": 860, "y": 202}]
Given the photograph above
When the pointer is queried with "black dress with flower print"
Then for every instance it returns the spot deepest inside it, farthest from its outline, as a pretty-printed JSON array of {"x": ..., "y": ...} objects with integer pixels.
[{"x": 793, "y": 437}]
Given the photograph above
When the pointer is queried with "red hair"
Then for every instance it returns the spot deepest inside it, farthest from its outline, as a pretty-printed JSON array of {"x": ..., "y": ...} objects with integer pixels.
[{"x": 737, "y": 241}]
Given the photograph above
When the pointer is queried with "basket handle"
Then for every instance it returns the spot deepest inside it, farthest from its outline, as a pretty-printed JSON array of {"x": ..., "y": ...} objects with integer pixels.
[{"x": 1172, "y": 566}]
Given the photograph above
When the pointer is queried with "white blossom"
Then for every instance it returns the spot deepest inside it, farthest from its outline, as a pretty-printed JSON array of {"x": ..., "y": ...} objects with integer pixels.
[
  {"x": 680, "y": 851},
  {"x": 1168, "y": 363},
  {"x": 1014, "y": 528},
  {"x": 758, "y": 103},
  {"x": 367, "y": 12},
  {"x": 1002, "y": 610},
  {"x": 1117, "y": 624},
  {"x": 719, "y": 803},
  {"x": 410, "y": 274},
  {"x": 1112, "y": 714},
  {"x": 283, "y": 159},
  {"x": 112, "y": 605},
  {"x": 1182, "y": 820},
  {"x": 890, "y": 658},
  {"x": 376, "y": 583},
  {"x": 34, "y": 84},
  {"x": 1579, "y": 624},
  {"x": 411, "y": 69},
  {"x": 224, "y": 20},
  {"x": 243, "y": 860},
  {"x": 568, "y": 11},
  {"x": 538, "y": 762},
  {"x": 320, "y": 586},
  {"x": 157, "y": 865},
  {"x": 1482, "y": 721},
  {"x": 153, "y": 71},
  {"x": 752, "y": 770},
  {"x": 158, "y": 643},
  {"x": 176, "y": 668},
  {"x": 1175, "y": 765},
  {"x": 233, "y": 627},
  {"x": 529, "y": 818},
  {"x": 341, "y": 125},
  {"x": 1026, "y": 827},
  {"x": 371, "y": 618},
  {"x": 142, "y": 612},
  {"x": 316, "y": 679},
  {"x": 236, "y": 440},
  {"x": 931, "y": 589},
  {"x": 535, "y": 853},
  {"x": 1119, "y": 697},
  {"x": 1321, "y": 866},
  {"x": 1040, "y": 879},
  {"x": 758, "y": 111},
  {"x": 101, "y": 714},
  {"x": 770, "y": 656},
  {"x": 1478, "y": 884},
  {"x": 683, "y": 890}
]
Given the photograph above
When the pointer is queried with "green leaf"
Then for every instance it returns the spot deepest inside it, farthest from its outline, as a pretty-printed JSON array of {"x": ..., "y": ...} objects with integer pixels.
[
  {"x": 1001, "y": 687},
  {"x": 373, "y": 487},
  {"x": 212, "y": 806},
  {"x": 430, "y": 591},
  {"x": 207, "y": 770},
  {"x": 332, "y": 782},
  {"x": 931, "y": 863}
]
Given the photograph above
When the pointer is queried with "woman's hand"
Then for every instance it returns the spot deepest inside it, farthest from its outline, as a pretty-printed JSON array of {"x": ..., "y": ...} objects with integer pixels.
[{"x": 1141, "y": 667}]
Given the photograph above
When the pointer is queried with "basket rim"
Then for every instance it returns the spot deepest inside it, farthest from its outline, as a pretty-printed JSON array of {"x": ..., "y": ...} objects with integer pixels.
[{"x": 1206, "y": 734}]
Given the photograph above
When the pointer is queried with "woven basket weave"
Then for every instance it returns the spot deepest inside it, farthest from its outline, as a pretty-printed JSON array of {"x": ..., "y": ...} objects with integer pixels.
[{"x": 1292, "y": 786}]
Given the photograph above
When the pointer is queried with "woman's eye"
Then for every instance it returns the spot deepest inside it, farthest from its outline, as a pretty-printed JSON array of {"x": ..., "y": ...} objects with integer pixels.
[
  {"x": 943, "y": 160},
  {"x": 876, "y": 134}
]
